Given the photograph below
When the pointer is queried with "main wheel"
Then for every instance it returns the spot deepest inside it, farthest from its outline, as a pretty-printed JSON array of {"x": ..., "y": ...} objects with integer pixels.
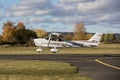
[
  {"x": 54, "y": 50},
  {"x": 39, "y": 50}
]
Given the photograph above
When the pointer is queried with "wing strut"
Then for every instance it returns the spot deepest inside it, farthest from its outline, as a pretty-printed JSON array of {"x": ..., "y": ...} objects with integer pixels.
[{"x": 49, "y": 40}]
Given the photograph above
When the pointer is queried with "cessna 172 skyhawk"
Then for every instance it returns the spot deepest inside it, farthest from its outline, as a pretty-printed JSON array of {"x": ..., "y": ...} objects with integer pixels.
[{"x": 56, "y": 40}]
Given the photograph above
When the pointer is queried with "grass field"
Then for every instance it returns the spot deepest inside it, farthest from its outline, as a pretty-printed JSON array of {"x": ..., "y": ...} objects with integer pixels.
[
  {"x": 47, "y": 70},
  {"x": 102, "y": 49},
  {"x": 38, "y": 70}
]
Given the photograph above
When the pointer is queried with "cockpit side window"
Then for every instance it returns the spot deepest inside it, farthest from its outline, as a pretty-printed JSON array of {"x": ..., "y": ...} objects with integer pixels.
[
  {"x": 60, "y": 38},
  {"x": 53, "y": 38}
]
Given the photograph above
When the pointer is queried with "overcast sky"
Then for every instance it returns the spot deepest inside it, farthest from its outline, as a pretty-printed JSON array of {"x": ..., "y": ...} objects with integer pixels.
[{"x": 62, "y": 15}]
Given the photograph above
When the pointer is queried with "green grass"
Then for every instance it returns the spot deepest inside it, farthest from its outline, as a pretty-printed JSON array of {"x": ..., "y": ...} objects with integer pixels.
[
  {"x": 102, "y": 49},
  {"x": 35, "y": 68},
  {"x": 38, "y": 70}
]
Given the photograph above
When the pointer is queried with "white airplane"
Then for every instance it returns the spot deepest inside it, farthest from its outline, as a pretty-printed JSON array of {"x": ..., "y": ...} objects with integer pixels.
[{"x": 56, "y": 40}]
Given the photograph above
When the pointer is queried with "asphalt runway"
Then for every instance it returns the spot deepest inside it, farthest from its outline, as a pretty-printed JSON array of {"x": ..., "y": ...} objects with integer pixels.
[{"x": 99, "y": 67}]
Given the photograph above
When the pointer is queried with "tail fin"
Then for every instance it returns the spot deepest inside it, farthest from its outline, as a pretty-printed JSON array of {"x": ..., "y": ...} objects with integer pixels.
[{"x": 96, "y": 37}]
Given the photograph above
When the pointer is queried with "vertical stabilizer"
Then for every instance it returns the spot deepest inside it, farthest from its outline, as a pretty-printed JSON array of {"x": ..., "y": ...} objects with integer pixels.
[{"x": 96, "y": 37}]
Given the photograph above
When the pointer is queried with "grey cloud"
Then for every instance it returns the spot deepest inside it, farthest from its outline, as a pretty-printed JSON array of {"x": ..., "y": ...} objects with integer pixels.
[
  {"x": 75, "y": 1},
  {"x": 66, "y": 12},
  {"x": 30, "y": 7}
]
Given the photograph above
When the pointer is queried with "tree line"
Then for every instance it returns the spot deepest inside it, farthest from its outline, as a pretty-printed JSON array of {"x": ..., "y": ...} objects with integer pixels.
[
  {"x": 19, "y": 35},
  {"x": 81, "y": 34}
]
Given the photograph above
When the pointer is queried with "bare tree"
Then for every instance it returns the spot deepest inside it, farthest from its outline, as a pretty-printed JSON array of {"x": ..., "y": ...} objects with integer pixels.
[{"x": 79, "y": 31}]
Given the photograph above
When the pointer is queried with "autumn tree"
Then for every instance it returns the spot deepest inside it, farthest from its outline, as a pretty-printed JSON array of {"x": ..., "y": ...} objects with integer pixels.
[
  {"x": 40, "y": 33},
  {"x": 108, "y": 38},
  {"x": 68, "y": 36},
  {"x": 20, "y": 25},
  {"x": 17, "y": 34},
  {"x": 105, "y": 38},
  {"x": 0, "y": 39},
  {"x": 8, "y": 30},
  {"x": 79, "y": 31},
  {"x": 117, "y": 38},
  {"x": 24, "y": 35},
  {"x": 111, "y": 38},
  {"x": 88, "y": 36}
]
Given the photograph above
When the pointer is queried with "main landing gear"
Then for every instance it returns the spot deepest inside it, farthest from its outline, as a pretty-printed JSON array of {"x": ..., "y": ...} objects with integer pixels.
[
  {"x": 53, "y": 50},
  {"x": 39, "y": 50}
]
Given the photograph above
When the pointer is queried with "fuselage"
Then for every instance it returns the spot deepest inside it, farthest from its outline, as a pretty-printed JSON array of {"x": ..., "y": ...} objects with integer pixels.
[
  {"x": 46, "y": 43},
  {"x": 56, "y": 40}
]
